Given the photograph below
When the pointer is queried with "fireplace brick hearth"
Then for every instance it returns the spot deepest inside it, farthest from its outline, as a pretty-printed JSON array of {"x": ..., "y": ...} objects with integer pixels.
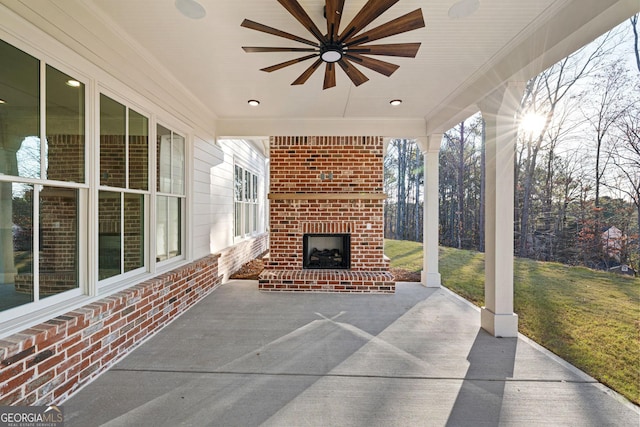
[{"x": 326, "y": 185}]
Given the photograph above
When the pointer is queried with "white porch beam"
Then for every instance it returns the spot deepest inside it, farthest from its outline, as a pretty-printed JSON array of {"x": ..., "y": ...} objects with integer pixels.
[
  {"x": 498, "y": 111},
  {"x": 430, "y": 237},
  {"x": 394, "y": 128}
]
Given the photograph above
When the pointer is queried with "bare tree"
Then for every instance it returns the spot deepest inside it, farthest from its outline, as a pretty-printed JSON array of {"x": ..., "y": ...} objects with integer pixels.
[
  {"x": 417, "y": 172},
  {"x": 634, "y": 27},
  {"x": 569, "y": 184},
  {"x": 626, "y": 158},
  {"x": 555, "y": 181},
  {"x": 460, "y": 184},
  {"x": 390, "y": 183},
  {"x": 401, "y": 203},
  {"x": 403, "y": 182},
  {"x": 483, "y": 180},
  {"x": 543, "y": 95},
  {"x": 608, "y": 101}
]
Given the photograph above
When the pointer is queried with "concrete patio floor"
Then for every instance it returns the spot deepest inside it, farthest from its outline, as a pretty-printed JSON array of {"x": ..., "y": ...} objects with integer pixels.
[{"x": 242, "y": 357}]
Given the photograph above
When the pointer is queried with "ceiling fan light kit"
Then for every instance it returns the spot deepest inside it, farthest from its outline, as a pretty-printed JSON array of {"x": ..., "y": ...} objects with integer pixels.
[
  {"x": 347, "y": 47},
  {"x": 331, "y": 53}
]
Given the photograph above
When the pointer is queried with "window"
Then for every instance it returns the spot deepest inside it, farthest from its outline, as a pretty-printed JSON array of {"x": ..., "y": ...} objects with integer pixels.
[
  {"x": 124, "y": 188},
  {"x": 254, "y": 203},
  {"x": 246, "y": 202},
  {"x": 170, "y": 199},
  {"x": 46, "y": 191},
  {"x": 42, "y": 179}
]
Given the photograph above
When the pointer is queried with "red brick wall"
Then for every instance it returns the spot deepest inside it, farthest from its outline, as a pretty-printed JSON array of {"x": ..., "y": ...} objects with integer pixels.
[
  {"x": 133, "y": 231},
  {"x": 138, "y": 162},
  {"x": 59, "y": 229},
  {"x": 232, "y": 258},
  {"x": 65, "y": 157},
  {"x": 297, "y": 164},
  {"x": 326, "y": 165},
  {"x": 58, "y": 243},
  {"x": 48, "y": 362},
  {"x": 113, "y": 160},
  {"x": 290, "y": 219}
]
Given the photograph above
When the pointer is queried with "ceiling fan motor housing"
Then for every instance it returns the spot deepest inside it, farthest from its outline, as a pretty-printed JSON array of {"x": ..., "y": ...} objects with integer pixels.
[{"x": 331, "y": 52}]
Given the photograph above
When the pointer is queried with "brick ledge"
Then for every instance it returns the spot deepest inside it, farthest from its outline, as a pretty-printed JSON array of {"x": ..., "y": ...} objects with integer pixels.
[{"x": 347, "y": 281}]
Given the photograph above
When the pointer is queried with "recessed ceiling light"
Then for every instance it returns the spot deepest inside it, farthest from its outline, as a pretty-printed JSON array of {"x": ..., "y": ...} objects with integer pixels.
[
  {"x": 463, "y": 8},
  {"x": 191, "y": 9},
  {"x": 395, "y": 102},
  {"x": 253, "y": 102},
  {"x": 73, "y": 83}
]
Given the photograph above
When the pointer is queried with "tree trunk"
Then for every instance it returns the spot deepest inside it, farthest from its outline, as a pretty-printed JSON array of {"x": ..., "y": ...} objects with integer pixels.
[
  {"x": 402, "y": 195},
  {"x": 417, "y": 207},
  {"x": 526, "y": 197},
  {"x": 483, "y": 177},
  {"x": 634, "y": 26},
  {"x": 460, "y": 185}
]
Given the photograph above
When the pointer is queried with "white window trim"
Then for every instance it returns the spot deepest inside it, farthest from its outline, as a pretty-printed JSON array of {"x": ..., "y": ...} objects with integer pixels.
[
  {"x": 254, "y": 221},
  {"x": 186, "y": 198},
  {"x": 124, "y": 279},
  {"x": 51, "y": 52},
  {"x": 11, "y": 317}
]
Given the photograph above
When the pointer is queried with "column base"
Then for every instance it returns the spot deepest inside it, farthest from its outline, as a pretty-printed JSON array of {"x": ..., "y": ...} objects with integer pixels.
[
  {"x": 499, "y": 325},
  {"x": 430, "y": 280}
]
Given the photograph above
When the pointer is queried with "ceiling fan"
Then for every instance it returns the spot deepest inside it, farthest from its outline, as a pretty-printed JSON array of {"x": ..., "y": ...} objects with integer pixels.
[{"x": 347, "y": 47}]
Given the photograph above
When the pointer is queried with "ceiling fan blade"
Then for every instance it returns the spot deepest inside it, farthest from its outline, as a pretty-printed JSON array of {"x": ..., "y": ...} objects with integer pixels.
[
  {"x": 367, "y": 14},
  {"x": 307, "y": 73},
  {"x": 333, "y": 12},
  {"x": 287, "y": 63},
  {"x": 408, "y": 50},
  {"x": 352, "y": 72},
  {"x": 410, "y": 21},
  {"x": 381, "y": 67},
  {"x": 252, "y": 49},
  {"x": 270, "y": 30},
  {"x": 329, "y": 75},
  {"x": 299, "y": 13}
]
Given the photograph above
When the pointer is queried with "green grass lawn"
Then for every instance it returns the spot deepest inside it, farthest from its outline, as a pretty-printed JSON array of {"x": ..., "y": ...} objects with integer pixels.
[{"x": 589, "y": 318}]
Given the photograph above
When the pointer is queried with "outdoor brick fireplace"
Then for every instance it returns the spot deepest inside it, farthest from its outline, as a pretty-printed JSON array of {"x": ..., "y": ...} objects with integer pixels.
[
  {"x": 326, "y": 251},
  {"x": 326, "y": 216}
]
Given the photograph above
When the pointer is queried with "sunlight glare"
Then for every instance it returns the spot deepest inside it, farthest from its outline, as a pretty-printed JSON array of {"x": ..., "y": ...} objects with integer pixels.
[{"x": 532, "y": 123}]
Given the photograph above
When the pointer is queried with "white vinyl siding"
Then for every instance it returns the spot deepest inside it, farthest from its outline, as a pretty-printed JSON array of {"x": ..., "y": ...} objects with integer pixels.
[{"x": 210, "y": 187}]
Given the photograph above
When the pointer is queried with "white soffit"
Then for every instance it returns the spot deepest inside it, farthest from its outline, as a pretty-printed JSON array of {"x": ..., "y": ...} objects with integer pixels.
[{"x": 198, "y": 65}]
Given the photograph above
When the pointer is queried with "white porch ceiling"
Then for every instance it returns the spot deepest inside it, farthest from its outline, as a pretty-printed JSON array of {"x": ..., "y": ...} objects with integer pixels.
[{"x": 460, "y": 60}]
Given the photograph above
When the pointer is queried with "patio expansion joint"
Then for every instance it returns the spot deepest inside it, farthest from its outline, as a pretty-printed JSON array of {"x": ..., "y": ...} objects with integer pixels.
[{"x": 334, "y": 375}]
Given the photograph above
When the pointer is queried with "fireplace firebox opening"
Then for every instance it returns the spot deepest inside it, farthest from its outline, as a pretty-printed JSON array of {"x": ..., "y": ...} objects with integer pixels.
[{"x": 326, "y": 251}]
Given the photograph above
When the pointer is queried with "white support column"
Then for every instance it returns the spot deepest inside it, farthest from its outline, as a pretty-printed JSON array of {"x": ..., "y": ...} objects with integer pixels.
[
  {"x": 430, "y": 238},
  {"x": 498, "y": 111}
]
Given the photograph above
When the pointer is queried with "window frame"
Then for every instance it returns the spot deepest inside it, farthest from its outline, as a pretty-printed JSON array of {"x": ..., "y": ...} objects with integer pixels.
[
  {"x": 95, "y": 83},
  {"x": 24, "y": 312},
  {"x": 248, "y": 217},
  {"x": 124, "y": 276},
  {"x": 183, "y": 198}
]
